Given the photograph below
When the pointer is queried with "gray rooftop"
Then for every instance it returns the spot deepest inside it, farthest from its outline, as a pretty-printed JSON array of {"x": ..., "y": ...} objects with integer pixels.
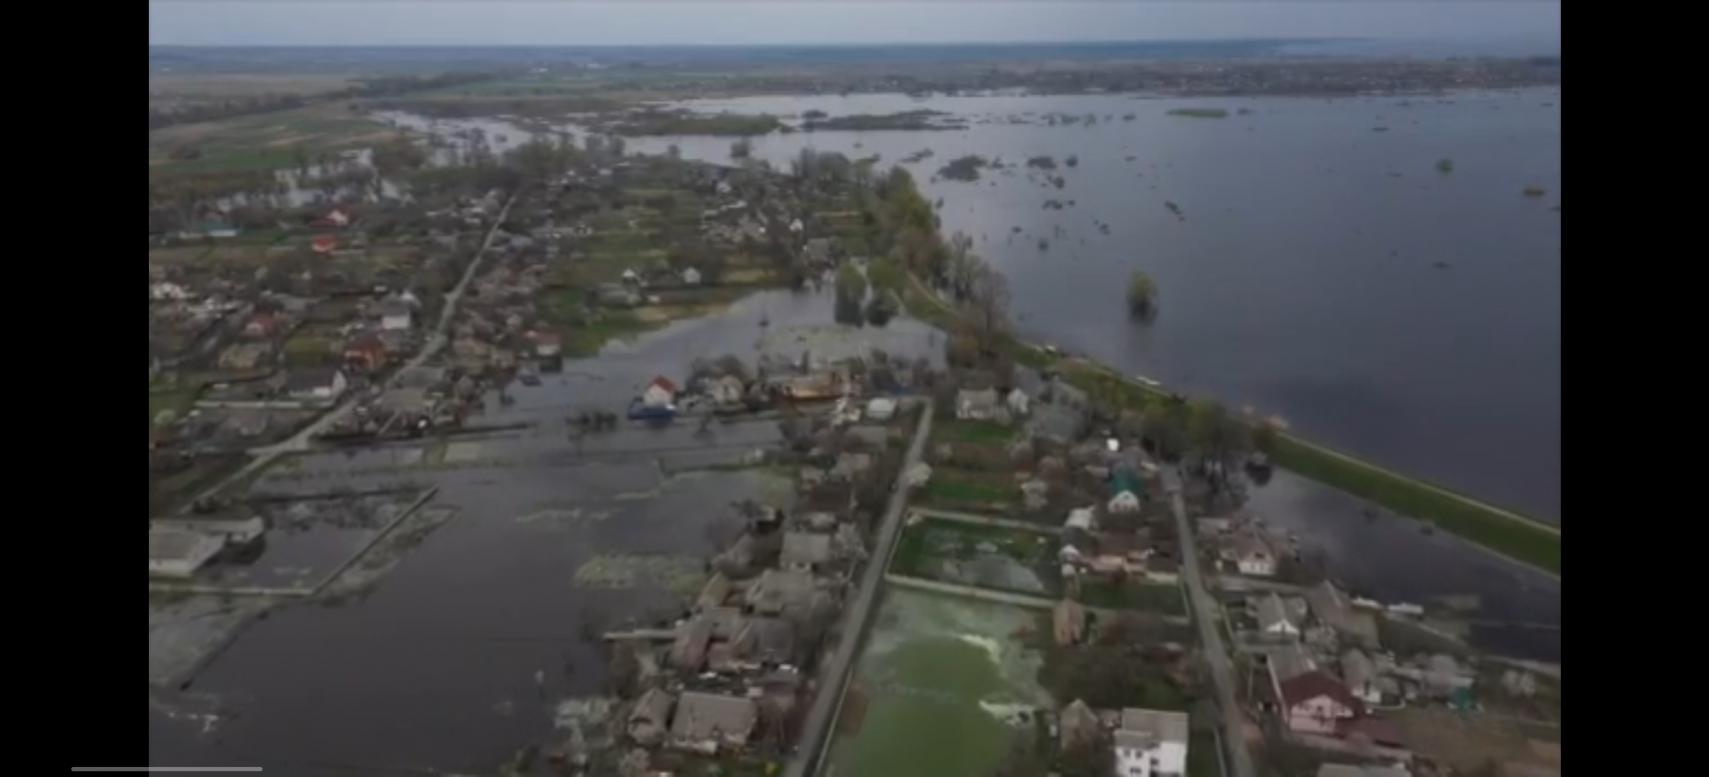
[
  {"x": 781, "y": 588},
  {"x": 1155, "y": 725},
  {"x": 181, "y": 545},
  {"x": 806, "y": 548},
  {"x": 1271, "y": 611},
  {"x": 1357, "y": 669},
  {"x": 708, "y": 715},
  {"x": 1290, "y": 662}
]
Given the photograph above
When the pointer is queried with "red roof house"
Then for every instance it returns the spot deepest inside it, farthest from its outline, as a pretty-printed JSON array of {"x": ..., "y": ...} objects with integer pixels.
[
  {"x": 367, "y": 351},
  {"x": 1317, "y": 703},
  {"x": 323, "y": 244},
  {"x": 659, "y": 393}
]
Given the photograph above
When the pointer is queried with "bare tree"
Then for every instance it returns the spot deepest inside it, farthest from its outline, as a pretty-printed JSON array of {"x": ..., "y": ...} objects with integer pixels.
[{"x": 988, "y": 304}]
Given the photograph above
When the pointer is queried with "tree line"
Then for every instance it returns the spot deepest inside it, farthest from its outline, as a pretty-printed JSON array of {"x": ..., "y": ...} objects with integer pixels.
[{"x": 210, "y": 110}]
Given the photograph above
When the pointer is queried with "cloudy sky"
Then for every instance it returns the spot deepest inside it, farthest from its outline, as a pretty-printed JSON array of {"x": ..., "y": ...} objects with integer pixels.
[{"x": 641, "y": 22}]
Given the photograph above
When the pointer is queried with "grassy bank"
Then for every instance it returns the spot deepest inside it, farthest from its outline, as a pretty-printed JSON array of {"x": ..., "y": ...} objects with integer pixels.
[{"x": 1498, "y": 530}]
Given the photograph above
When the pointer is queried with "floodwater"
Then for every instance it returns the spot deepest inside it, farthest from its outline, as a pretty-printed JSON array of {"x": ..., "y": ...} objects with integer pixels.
[
  {"x": 946, "y": 681},
  {"x": 1320, "y": 269},
  {"x": 1390, "y": 558},
  {"x": 433, "y": 667}
]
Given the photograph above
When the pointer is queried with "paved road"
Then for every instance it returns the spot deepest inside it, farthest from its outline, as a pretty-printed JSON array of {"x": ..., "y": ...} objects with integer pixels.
[
  {"x": 1216, "y": 654},
  {"x": 435, "y": 342},
  {"x": 815, "y": 735}
]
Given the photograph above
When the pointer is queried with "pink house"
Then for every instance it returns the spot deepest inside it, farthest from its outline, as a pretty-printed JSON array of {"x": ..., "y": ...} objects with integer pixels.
[{"x": 1317, "y": 703}]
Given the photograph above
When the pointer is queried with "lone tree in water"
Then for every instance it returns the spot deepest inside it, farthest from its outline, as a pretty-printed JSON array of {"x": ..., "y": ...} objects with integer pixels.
[
  {"x": 851, "y": 292},
  {"x": 1141, "y": 296},
  {"x": 741, "y": 149}
]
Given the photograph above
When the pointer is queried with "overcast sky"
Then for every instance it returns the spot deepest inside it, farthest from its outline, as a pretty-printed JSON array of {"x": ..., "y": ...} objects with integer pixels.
[{"x": 640, "y": 22}]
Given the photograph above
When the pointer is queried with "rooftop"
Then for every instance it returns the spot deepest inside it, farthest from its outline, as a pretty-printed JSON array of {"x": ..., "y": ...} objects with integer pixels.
[
  {"x": 1272, "y": 612},
  {"x": 708, "y": 715},
  {"x": 1147, "y": 728},
  {"x": 1308, "y": 686},
  {"x": 806, "y": 548},
  {"x": 180, "y": 545}
]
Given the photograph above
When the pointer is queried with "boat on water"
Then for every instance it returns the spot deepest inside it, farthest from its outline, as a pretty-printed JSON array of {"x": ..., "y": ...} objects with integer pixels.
[{"x": 640, "y": 411}]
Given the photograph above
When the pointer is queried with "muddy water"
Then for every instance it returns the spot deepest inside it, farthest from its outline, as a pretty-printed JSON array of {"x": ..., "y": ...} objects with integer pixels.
[
  {"x": 944, "y": 680},
  {"x": 434, "y": 667}
]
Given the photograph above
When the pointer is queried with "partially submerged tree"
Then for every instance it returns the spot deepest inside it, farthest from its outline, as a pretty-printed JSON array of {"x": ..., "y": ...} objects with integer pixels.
[
  {"x": 882, "y": 308},
  {"x": 1141, "y": 296},
  {"x": 851, "y": 292}
]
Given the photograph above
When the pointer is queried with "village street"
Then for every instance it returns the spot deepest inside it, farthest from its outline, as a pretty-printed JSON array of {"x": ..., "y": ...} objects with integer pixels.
[
  {"x": 1204, "y": 611},
  {"x": 815, "y": 732}
]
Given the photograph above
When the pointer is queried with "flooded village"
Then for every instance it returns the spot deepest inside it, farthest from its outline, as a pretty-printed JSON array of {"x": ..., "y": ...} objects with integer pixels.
[{"x": 478, "y": 454}]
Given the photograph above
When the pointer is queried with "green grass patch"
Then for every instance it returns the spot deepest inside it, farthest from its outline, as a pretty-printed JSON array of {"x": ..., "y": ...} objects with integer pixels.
[
  {"x": 1202, "y": 760},
  {"x": 1133, "y": 595},
  {"x": 974, "y": 432},
  {"x": 310, "y": 347},
  {"x": 179, "y": 400},
  {"x": 1530, "y": 544},
  {"x": 964, "y": 489},
  {"x": 934, "y": 538}
]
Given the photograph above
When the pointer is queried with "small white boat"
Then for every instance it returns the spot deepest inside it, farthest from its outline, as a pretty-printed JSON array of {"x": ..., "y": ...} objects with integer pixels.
[{"x": 1148, "y": 381}]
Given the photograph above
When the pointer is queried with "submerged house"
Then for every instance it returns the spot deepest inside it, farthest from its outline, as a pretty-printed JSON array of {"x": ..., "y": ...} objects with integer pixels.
[
  {"x": 707, "y": 722},
  {"x": 178, "y": 553},
  {"x": 659, "y": 393},
  {"x": 650, "y": 719}
]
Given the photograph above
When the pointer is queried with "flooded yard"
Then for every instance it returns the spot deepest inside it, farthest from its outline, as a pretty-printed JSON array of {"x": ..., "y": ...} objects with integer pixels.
[
  {"x": 942, "y": 689},
  {"x": 459, "y": 645}
]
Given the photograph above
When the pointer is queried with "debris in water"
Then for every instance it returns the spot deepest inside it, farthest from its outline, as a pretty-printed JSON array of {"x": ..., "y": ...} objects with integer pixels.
[{"x": 1440, "y": 265}]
